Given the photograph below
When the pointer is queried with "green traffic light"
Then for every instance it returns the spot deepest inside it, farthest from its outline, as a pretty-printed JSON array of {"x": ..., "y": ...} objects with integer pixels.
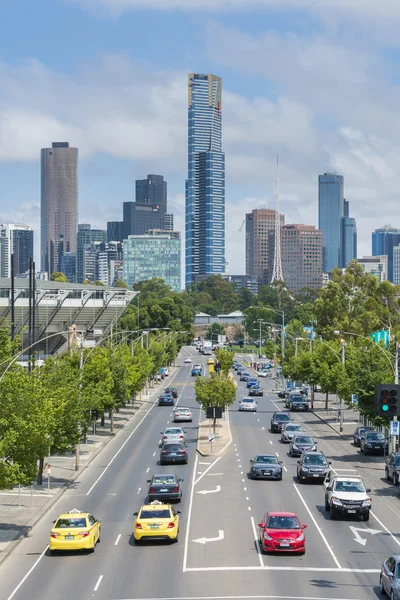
[{"x": 385, "y": 407}]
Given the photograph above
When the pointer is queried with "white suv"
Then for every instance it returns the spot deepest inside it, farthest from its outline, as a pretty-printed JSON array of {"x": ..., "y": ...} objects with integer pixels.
[{"x": 346, "y": 495}]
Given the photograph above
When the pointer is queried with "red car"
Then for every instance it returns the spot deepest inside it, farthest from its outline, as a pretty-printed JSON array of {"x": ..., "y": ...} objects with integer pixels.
[{"x": 282, "y": 532}]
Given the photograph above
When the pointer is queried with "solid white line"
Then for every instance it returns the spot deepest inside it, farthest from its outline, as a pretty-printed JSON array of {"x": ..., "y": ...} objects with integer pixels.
[
  {"x": 274, "y": 597},
  {"x": 28, "y": 573},
  {"x": 117, "y": 540},
  {"x": 249, "y": 508},
  {"x": 257, "y": 542},
  {"x": 285, "y": 469},
  {"x": 208, "y": 468},
  {"x": 96, "y": 587},
  {"x": 185, "y": 550},
  {"x": 318, "y": 527},
  {"x": 287, "y": 568},
  {"x": 264, "y": 428},
  {"x": 148, "y": 469},
  {"x": 154, "y": 453},
  {"x": 245, "y": 489},
  {"x": 385, "y": 528},
  {"x": 247, "y": 498}
]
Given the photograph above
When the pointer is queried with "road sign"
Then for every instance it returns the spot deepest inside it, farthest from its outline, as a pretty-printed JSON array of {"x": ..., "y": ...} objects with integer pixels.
[
  {"x": 394, "y": 427},
  {"x": 48, "y": 470},
  {"x": 381, "y": 336},
  {"x": 354, "y": 399},
  {"x": 211, "y": 437},
  {"x": 214, "y": 412}
]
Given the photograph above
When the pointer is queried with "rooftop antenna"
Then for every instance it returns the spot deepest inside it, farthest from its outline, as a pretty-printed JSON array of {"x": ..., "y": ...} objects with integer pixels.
[{"x": 277, "y": 274}]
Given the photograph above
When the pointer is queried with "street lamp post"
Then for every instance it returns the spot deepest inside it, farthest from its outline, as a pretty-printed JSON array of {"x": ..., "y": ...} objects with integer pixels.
[
  {"x": 341, "y": 396},
  {"x": 260, "y": 321}
]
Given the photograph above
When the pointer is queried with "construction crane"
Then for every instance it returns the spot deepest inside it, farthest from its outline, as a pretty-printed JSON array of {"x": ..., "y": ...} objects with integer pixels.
[{"x": 242, "y": 225}]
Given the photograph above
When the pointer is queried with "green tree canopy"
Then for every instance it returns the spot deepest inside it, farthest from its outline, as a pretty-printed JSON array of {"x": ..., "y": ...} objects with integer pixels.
[{"x": 58, "y": 276}]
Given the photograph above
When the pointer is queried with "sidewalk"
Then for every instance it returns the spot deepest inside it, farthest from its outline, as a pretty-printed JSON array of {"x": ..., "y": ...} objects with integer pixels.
[{"x": 21, "y": 507}]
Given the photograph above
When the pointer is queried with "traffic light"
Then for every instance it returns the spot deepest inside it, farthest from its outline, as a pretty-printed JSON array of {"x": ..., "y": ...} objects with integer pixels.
[
  {"x": 387, "y": 400},
  {"x": 217, "y": 367}
]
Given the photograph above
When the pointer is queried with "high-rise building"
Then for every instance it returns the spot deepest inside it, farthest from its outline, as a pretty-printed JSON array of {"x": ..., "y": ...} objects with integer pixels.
[
  {"x": 384, "y": 240},
  {"x": 68, "y": 266},
  {"x": 20, "y": 242},
  {"x": 301, "y": 252},
  {"x": 149, "y": 209},
  {"x": 114, "y": 231},
  {"x": 109, "y": 261},
  {"x": 169, "y": 222},
  {"x": 259, "y": 224},
  {"x": 205, "y": 185},
  {"x": 396, "y": 265},
  {"x": 243, "y": 281},
  {"x": 156, "y": 254},
  {"x": 85, "y": 239},
  {"x": 339, "y": 231},
  {"x": 59, "y": 204},
  {"x": 375, "y": 265}
]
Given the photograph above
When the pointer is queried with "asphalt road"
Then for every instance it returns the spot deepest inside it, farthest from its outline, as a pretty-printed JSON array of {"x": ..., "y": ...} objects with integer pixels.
[{"x": 217, "y": 555}]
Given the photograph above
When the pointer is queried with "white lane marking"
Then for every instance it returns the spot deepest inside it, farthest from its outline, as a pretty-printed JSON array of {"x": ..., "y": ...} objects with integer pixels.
[
  {"x": 357, "y": 537},
  {"x": 148, "y": 469},
  {"x": 266, "y": 568},
  {"x": 199, "y": 472},
  {"x": 167, "y": 422},
  {"x": 185, "y": 549},
  {"x": 205, "y": 492},
  {"x": 285, "y": 469},
  {"x": 247, "y": 498},
  {"x": 205, "y": 540},
  {"x": 27, "y": 574},
  {"x": 240, "y": 466},
  {"x": 96, "y": 587},
  {"x": 154, "y": 453},
  {"x": 245, "y": 489},
  {"x": 385, "y": 528},
  {"x": 257, "y": 542},
  {"x": 204, "y": 463},
  {"x": 277, "y": 454},
  {"x": 270, "y": 441},
  {"x": 258, "y": 420},
  {"x": 117, "y": 540},
  {"x": 238, "y": 458},
  {"x": 249, "y": 508},
  {"x": 208, "y": 468},
  {"x": 139, "y": 490},
  {"x": 318, "y": 527},
  {"x": 264, "y": 428},
  {"x": 213, "y": 474}
]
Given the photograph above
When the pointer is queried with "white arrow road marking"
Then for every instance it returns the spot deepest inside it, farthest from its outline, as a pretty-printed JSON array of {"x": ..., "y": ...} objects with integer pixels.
[
  {"x": 204, "y": 540},
  {"x": 357, "y": 536},
  {"x": 218, "y": 489}
]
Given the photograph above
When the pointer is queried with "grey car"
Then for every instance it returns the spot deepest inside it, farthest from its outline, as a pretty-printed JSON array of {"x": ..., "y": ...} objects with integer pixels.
[
  {"x": 265, "y": 466},
  {"x": 390, "y": 577},
  {"x": 289, "y": 431},
  {"x": 173, "y": 452},
  {"x": 279, "y": 420},
  {"x": 301, "y": 443},
  {"x": 164, "y": 487},
  {"x": 392, "y": 467},
  {"x": 312, "y": 466}
]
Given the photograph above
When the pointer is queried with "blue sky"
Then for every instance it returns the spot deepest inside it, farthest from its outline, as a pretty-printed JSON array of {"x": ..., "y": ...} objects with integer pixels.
[{"x": 313, "y": 80}]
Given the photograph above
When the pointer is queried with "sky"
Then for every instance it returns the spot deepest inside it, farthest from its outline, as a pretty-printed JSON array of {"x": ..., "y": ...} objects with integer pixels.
[{"x": 315, "y": 81}]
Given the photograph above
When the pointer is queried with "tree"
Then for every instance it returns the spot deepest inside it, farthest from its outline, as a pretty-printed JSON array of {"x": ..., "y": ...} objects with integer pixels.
[
  {"x": 214, "y": 331},
  {"x": 98, "y": 282},
  {"x": 87, "y": 282},
  {"x": 225, "y": 358},
  {"x": 215, "y": 391},
  {"x": 58, "y": 276},
  {"x": 120, "y": 283},
  {"x": 222, "y": 292}
]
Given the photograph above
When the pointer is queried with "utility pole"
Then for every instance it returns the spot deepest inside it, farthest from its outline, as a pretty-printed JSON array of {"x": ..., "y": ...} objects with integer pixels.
[
  {"x": 283, "y": 335},
  {"x": 259, "y": 349},
  {"x": 393, "y": 438},
  {"x": 341, "y": 398},
  {"x": 77, "y": 446}
]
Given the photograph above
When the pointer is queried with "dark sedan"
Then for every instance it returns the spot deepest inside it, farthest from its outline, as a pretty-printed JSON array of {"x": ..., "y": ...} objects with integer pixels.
[
  {"x": 359, "y": 434},
  {"x": 282, "y": 394},
  {"x": 171, "y": 390},
  {"x": 301, "y": 443},
  {"x": 166, "y": 400},
  {"x": 165, "y": 486},
  {"x": 312, "y": 466},
  {"x": 392, "y": 467},
  {"x": 265, "y": 466},
  {"x": 298, "y": 403},
  {"x": 256, "y": 390},
  {"x": 373, "y": 442},
  {"x": 279, "y": 419},
  {"x": 173, "y": 452}
]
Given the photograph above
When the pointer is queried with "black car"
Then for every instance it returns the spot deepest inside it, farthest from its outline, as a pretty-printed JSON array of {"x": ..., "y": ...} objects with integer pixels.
[
  {"x": 171, "y": 390},
  {"x": 298, "y": 403},
  {"x": 373, "y": 442},
  {"x": 265, "y": 466},
  {"x": 255, "y": 390},
  {"x": 173, "y": 452},
  {"x": 166, "y": 400},
  {"x": 301, "y": 443},
  {"x": 392, "y": 467},
  {"x": 312, "y": 466},
  {"x": 278, "y": 420},
  {"x": 359, "y": 434},
  {"x": 282, "y": 394},
  {"x": 165, "y": 486}
]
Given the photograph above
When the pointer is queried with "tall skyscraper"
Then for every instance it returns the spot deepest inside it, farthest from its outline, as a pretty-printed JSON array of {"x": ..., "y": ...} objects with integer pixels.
[
  {"x": 114, "y": 231},
  {"x": 18, "y": 240},
  {"x": 59, "y": 204},
  {"x": 384, "y": 240},
  {"x": 259, "y": 224},
  {"x": 149, "y": 209},
  {"x": 85, "y": 239},
  {"x": 169, "y": 222},
  {"x": 339, "y": 232},
  {"x": 205, "y": 185}
]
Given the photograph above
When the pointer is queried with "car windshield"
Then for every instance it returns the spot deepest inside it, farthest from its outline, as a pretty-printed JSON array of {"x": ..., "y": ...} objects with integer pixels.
[
  {"x": 303, "y": 439},
  {"x": 295, "y": 399},
  {"x": 248, "y": 400},
  {"x": 293, "y": 428},
  {"x": 397, "y": 461},
  {"x": 173, "y": 431},
  {"x": 398, "y": 571},
  {"x": 173, "y": 447},
  {"x": 314, "y": 459},
  {"x": 178, "y": 410},
  {"x": 164, "y": 479},
  {"x": 155, "y": 514},
  {"x": 282, "y": 417},
  {"x": 349, "y": 486},
  {"x": 165, "y": 396},
  {"x": 374, "y": 435},
  {"x": 283, "y": 523},
  {"x": 70, "y": 523},
  {"x": 263, "y": 458}
]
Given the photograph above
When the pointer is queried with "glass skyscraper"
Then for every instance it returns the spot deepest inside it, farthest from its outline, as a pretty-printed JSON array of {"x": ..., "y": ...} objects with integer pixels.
[
  {"x": 205, "y": 185},
  {"x": 384, "y": 240}
]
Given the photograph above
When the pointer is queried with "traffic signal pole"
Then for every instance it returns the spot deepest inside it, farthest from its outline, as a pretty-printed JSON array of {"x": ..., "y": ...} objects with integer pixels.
[{"x": 393, "y": 438}]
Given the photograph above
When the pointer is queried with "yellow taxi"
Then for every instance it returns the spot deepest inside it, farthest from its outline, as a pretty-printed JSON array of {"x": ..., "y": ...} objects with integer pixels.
[
  {"x": 156, "y": 521},
  {"x": 75, "y": 530},
  {"x": 211, "y": 361}
]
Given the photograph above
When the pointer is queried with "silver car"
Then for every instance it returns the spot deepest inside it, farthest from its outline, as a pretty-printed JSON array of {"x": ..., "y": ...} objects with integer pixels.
[
  {"x": 390, "y": 577},
  {"x": 289, "y": 431},
  {"x": 172, "y": 434},
  {"x": 182, "y": 414},
  {"x": 248, "y": 404}
]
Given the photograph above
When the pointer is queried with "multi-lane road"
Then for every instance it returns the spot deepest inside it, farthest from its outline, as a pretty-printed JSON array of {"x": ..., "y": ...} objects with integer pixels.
[{"x": 217, "y": 555}]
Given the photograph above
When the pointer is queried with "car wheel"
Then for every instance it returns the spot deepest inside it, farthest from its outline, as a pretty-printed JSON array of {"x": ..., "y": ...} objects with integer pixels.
[
  {"x": 136, "y": 542},
  {"x": 392, "y": 595},
  {"x": 366, "y": 516},
  {"x": 52, "y": 552},
  {"x": 280, "y": 477},
  {"x": 387, "y": 476},
  {"x": 290, "y": 453},
  {"x": 333, "y": 513},
  {"x": 381, "y": 588},
  {"x": 327, "y": 507}
]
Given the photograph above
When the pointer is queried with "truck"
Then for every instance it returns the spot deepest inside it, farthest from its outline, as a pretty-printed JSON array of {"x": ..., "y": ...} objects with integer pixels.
[{"x": 207, "y": 348}]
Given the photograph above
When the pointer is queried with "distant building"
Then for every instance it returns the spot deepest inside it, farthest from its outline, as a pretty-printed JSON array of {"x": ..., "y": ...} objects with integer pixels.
[
  {"x": 301, "y": 252},
  {"x": 68, "y": 266},
  {"x": 384, "y": 240},
  {"x": 396, "y": 265},
  {"x": 114, "y": 231},
  {"x": 349, "y": 237},
  {"x": 149, "y": 209},
  {"x": 234, "y": 318},
  {"x": 243, "y": 281},
  {"x": 110, "y": 262},
  {"x": 325, "y": 279},
  {"x": 59, "y": 204},
  {"x": 155, "y": 254},
  {"x": 259, "y": 224},
  {"x": 17, "y": 239},
  {"x": 169, "y": 222},
  {"x": 86, "y": 238},
  {"x": 376, "y": 266}
]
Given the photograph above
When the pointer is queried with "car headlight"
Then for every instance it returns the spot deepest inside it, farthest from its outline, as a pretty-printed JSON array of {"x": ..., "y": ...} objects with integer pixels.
[
  {"x": 301, "y": 537},
  {"x": 336, "y": 501},
  {"x": 366, "y": 502},
  {"x": 267, "y": 537},
  {"x": 368, "y": 445},
  {"x": 295, "y": 447},
  {"x": 305, "y": 469}
]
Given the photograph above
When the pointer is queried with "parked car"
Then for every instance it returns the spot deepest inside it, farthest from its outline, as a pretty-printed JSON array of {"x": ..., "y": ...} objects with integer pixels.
[
  {"x": 392, "y": 467},
  {"x": 265, "y": 466},
  {"x": 312, "y": 466},
  {"x": 298, "y": 403},
  {"x": 282, "y": 394},
  {"x": 373, "y": 442},
  {"x": 358, "y": 434},
  {"x": 301, "y": 443}
]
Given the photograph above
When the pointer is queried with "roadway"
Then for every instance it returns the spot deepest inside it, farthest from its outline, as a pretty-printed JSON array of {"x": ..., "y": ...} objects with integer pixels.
[{"x": 217, "y": 555}]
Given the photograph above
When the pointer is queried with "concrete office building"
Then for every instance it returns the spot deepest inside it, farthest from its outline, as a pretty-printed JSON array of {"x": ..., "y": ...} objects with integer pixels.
[
  {"x": 59, "y": 204},
  {"x": 375, "y": 265},
  {"x": 205, "y": 185},
  {"x": 86, "y": 238},
  {"x": 17, "y": 239},
  {"x": 301, "y": 252},
  {"x": 384, "y": 240},
  {"x": 155, "y": 254},
  {"x": 259, "y": 224}
]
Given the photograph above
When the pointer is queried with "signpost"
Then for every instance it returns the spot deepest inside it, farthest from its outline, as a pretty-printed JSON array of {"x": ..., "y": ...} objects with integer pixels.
[
  {"x": 394, "y": 428},
  {"x": 354, "y": 399},
  {"x": 48, "y": 478},
  {"x": 381, "y": 336}
]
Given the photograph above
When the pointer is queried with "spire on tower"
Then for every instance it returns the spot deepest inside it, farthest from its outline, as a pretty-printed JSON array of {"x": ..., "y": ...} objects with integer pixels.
[{"x": 277, "y": 274}]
